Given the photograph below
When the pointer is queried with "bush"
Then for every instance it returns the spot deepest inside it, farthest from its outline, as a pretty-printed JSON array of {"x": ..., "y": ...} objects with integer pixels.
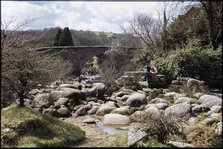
[
  {"x": 160, "y": 127},
  {"x": 204, "y": 64},
  {"x": 204, "y": 136}
]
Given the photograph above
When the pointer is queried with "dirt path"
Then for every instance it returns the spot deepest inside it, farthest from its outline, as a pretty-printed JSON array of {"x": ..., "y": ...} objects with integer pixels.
[{"x": 94, "y": 135}]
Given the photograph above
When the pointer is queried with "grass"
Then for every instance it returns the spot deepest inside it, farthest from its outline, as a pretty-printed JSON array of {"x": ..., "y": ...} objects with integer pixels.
[
  {"x": 29, "y": 128},
  {"x": 118, "y": 140},
  {"x": 150, "y": 142}
]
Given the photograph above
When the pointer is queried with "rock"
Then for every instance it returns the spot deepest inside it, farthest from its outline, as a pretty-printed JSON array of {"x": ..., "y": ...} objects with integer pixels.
[
  {"x": 106, "y": 108},
  {"x": 63, "y": 111},
  {"x": 210, "y": 100},
  {"x": 135, "y": 135},
  {"x": 173, "y": 95},
  {"x": 216, "y": 109},
  {"x": 152, "y": 110},
  {"x": 179, "y": 144},
  {"x": 116, "y": 119},
  {"x": 125, "y": 97},
  {"x": 123, "y": 110},
  {"x": 215, "y": 116},
  {"x": 43, "y": 100},
  {"x": 51, "y": 111},
  {"x": 219, "y": 128},
  {"x": 66, "y": 93},
  {"x": 75, "y": 86},
  {"x": 199, "y": 109},
  {"x": 93, "y": 110},
  {"x": 100, "y": 101},
  {"x": 138, "y": 116},
  {"x": 185, "y": 100},
  {"x": 34, "y": 91},
  {"x": 208, "y": 121},
  {"x": 99, "y": 89},
  {"x": 181, "y": 109},
  {"x": 81, "y": 111},
  {"x": 194, "y": 83},
  {"x": 192, "y": 121},
  {"x": 136, "y": 99},
  {"x": 61, "y": 101},
  {"x": 159, "y": 100},
  {"x": 162, "y": 106},
  {"x": 198, "y": 95},
  {"x": 27, "y": 102},
  {"x": 90, "y": 120},
  {"x": 77, "y": 107},
  {"x": 92, "y": 103}
]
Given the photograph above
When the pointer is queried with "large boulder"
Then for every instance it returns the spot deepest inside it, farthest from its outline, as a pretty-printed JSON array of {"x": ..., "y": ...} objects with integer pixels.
[
  {"x": 116, "y": 119},
  {"x": 136, "y": 99},
  {"x": 181, "y": 109},
  {"x": 210, "y": 100},
  {"x": 106, "y": 108},
  {"x": 61, "y": 101},
  {"x": 66, "y": 93},
  {"x": 216, "y": 109},
  {"x": 43, "y": 100},
  {"x": 63, "y": 111},
  {"x": 97, "y": 90}
]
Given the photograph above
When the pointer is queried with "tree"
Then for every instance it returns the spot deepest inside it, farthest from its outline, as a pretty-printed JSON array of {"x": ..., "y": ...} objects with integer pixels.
[
  {"x": 23, "y": 68},
  {"x": 213, "y": 10},
  {"x": 66, "y": 38},
  {"x": 57, "y": 38}
]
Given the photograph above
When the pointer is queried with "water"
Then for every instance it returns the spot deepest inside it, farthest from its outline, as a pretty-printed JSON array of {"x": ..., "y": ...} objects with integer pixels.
[{"x": 109, "y": 130}]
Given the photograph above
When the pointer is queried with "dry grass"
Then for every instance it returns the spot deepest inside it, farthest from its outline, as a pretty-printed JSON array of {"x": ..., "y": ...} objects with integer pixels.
[{"x": 203, "y": 136}]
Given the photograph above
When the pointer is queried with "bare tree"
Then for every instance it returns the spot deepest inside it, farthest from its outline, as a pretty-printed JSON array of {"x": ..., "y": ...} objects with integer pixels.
[{"x": 22, "y": 67}]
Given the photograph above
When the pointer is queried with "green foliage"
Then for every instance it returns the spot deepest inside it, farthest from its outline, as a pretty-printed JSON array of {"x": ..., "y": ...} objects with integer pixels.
[
  {"x": 57, "y": 38},
  {"x": 66, "y": 38},
  {"x": 204, "y": 64},
  {"x": 150, "y": 142},
  {"x": 30, "y": 128}
]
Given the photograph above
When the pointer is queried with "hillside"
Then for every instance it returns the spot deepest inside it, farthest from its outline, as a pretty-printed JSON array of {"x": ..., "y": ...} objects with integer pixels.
[{"x": 24, "y": 127}]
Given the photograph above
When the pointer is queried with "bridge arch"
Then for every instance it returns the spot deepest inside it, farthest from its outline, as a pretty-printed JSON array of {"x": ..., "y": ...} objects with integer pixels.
[{"x": 77, "y": 55}]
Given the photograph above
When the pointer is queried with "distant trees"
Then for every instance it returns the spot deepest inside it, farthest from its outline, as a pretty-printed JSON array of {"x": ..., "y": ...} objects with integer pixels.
[
  {"x": 66, "y": 38},
  {"x": 57, "y": 38},
  {"x": 23, "y": 68}
]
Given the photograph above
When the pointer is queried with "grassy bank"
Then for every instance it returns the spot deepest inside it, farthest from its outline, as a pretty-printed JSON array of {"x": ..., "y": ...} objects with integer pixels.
[{"x": 24, "y": 127}]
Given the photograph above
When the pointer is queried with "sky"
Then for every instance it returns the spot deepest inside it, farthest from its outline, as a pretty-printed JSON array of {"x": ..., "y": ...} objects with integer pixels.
[{"x": 81, "y": 15}]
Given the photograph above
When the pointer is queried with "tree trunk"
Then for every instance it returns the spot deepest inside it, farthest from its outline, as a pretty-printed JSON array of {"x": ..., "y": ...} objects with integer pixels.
[{"x": 21, "y": 100}]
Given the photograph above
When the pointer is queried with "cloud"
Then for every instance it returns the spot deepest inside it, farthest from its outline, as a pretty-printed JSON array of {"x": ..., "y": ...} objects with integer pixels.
[{"x": 97, "y": 16}]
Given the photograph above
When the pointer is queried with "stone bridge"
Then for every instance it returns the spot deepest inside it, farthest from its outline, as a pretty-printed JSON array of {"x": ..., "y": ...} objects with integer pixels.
[{"x": 78, "y": 55}]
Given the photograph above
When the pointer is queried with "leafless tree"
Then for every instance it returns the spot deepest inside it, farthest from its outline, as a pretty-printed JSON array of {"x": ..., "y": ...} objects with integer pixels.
[{"x": 22, "y": 67}]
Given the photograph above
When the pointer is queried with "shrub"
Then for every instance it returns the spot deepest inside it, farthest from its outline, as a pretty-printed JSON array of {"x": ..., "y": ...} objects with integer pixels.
[
  {"x": 203, "y": 136},
  {"x": 204, "y": 64},
  {"x": 160, "y": 127}
]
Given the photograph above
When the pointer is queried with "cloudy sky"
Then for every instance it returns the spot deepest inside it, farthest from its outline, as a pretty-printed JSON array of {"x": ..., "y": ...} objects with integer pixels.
[{"x": 81, "y": 15}]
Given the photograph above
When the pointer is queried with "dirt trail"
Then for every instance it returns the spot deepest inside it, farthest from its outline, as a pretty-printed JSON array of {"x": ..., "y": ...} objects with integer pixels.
[{"x": 94, "y": 135}]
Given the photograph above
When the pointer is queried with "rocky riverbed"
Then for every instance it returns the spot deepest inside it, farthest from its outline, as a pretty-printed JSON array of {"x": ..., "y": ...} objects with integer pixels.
[{"x": 85, "y": 104}]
